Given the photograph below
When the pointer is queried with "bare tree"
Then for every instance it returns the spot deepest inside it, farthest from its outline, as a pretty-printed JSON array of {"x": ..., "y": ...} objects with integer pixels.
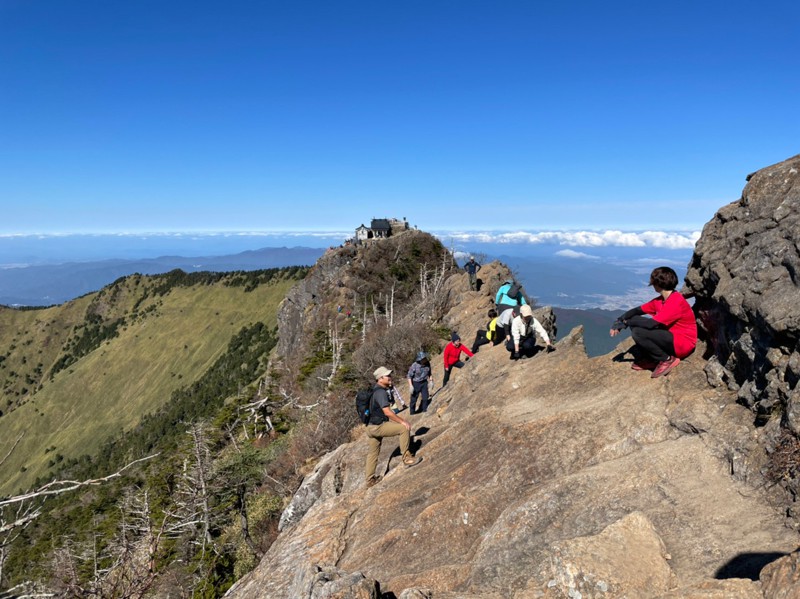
[
  {"x": 191, "y": 511},
  {"x": 18, "y": 511}
]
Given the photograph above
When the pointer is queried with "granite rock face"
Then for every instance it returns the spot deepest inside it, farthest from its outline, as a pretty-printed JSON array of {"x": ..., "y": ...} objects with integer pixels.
[
  {"x": 552, "y": 476},
  {"x": 563, "y": 476},
  {"x": 745, "y": 275}
]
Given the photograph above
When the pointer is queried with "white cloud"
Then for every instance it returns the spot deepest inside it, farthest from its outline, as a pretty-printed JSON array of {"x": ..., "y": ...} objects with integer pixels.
[
  {"x": 574, "y": 254},
  {"x": 632, "y": 297},
  {"x": 610, "y": 238}
]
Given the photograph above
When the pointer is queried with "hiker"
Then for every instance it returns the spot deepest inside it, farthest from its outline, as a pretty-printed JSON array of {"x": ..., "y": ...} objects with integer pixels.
[
  {"x": 419, "y": 376},
  {"x": 523, "y": 335},
  {"x": 491, "y": 335},
  {"x": 666, "y": 338},
  {"x": 452, "y": 356},
  {"x": 472, "y": 269},
  {"x": 509, "y": 296},
  {"x": 504, "y": 321},
  {"x": 383, "y": 422}
]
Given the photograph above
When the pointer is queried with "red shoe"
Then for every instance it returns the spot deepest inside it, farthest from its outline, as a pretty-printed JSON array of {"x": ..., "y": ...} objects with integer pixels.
[
  {"x": 644, "y": 365},
  {"x": 664, "y": 367}
]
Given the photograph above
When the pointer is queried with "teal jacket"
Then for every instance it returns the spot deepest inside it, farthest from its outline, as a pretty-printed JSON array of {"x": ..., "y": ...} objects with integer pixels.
[{"x": 502, "y": 298}]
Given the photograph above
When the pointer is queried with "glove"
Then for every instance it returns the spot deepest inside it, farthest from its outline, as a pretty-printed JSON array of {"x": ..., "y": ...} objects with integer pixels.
[
  {"x": 550, "y": 348},
  {"x": 619, "y": 324},
  {"x": 515, "y": 355}
]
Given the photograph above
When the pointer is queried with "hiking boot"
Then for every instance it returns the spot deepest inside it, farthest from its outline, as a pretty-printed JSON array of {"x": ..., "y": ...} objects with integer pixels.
[
  {"x": 410, "y": 460},
  {"x": 644, "y": 365},
  {"x": 372, "y": 481},
  {"x": 664, "y": 367}
]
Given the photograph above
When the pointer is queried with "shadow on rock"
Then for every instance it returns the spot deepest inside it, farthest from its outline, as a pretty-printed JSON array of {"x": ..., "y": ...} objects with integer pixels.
[{"x": 746, "y": 565}]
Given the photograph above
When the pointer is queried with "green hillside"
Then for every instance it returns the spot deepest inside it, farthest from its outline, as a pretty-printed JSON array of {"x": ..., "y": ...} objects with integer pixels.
[{"x": 75, "y": 375}]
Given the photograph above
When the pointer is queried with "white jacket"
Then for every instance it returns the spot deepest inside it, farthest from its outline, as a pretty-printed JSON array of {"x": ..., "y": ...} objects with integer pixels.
[{"x": 519, "y": 329}]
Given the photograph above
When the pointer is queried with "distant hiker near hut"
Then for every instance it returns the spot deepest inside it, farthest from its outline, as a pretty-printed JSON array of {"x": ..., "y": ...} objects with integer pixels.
[
  {"x": 523, "y": 335},
  {"x": 666, "y": 338},
  {"x": 383, "y": 422},
  {"x": 452, "y": 356},
  {"x": 472, "y": 269}
]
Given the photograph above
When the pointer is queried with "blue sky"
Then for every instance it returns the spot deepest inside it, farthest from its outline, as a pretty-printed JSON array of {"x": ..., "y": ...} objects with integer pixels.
[{"x": 199, "y": 116}]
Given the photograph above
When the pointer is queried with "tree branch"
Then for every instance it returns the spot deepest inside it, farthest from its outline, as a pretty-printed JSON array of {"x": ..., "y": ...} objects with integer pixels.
[{"x": 62, "y": 486}]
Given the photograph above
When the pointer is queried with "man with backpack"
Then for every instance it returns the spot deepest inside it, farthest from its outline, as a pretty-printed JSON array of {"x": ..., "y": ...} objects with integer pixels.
[
  {"x": 523, "y": 335},
  {"x": 509, "y": 296},
  {"x": 383, "y": 422}
]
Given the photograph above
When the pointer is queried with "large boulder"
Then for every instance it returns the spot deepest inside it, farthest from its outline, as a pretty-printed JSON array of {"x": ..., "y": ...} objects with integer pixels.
[{"x": 745, "y": 275}]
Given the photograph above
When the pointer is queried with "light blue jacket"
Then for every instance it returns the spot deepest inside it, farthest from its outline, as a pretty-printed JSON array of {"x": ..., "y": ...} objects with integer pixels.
[{"x": 502, "y": 298}]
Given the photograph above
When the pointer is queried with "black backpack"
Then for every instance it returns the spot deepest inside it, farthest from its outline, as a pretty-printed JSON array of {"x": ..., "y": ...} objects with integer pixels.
[
  {"x": 513, "y": 291},
  {"x": 363, "y": 402}
]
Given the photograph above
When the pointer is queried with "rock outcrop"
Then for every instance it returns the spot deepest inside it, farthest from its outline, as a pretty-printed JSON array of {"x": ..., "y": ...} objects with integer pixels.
[
  {"x": 567, "y": 476},
  {"x": 745, "y": 276},
  {"x": 555, "y": 476}
]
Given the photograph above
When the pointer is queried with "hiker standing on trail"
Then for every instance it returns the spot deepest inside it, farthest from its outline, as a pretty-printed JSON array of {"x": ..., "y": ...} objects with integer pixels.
[
  {"x": 472, "y": 269},
  {"x": 419, "y": 375},
  {"x": 383, "y": 422},
  {"x": 492, "y": 334},
  {"x": 452, "y": 356},
  {"x": 670, "y": 335},
  {"x": 509, "y": 296},
  {"x": 523, "y": 335}
]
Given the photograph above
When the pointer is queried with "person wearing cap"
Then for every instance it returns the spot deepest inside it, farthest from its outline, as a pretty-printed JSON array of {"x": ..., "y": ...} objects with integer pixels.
[
  {"x": 452, "y": 356},
  {"x": 419, "y": 375},
  {"x": 523, "y": 334},
  {"x": 509, "y": 295},
  {"x": 383, "y": 422},
  {"x": 472, "y": 269}
]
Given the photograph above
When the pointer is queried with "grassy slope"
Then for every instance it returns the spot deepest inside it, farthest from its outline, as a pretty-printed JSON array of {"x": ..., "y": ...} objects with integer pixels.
[{"x": 109, "y": 389}]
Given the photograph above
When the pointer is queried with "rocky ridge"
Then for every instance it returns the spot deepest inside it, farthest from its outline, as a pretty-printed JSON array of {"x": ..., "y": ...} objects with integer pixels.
[
  {"x": 568, "y": 476},
  {"x": 745, "y": 276}
]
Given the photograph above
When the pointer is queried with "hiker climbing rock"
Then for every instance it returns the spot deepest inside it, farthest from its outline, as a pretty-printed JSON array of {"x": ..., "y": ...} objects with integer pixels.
[
  {"x": 666, "y": 338},
  {"x": 419, "y": 376},
  {"x": 452, "y": 356},
  {"x": 493, "y": 334},
  {"x": 383, "y": 422},
  {"x": 523, "y": 335},
  {"x": 509, "y": 295}
]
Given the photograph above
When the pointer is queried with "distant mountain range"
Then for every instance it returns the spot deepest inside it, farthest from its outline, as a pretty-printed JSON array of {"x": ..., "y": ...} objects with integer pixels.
[
  {"x": 45, "y": 285},
  {"x": 596, "y": 325}
]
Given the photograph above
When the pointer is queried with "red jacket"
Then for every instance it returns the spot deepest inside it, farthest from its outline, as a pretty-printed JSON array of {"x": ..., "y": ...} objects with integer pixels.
[
  {"x": 675, "y": 314},
  {"x": 453, "y": 353}
]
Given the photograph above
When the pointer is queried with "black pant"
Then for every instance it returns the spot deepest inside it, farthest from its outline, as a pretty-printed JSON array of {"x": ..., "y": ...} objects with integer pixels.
[
  {"x": 527, "y": 346},
  {"x": 447, "y": 371},
  {"x": 655, "y": 344},
  {"x": 481, "y": 339},
  {"x": 420, "y": 389}
]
